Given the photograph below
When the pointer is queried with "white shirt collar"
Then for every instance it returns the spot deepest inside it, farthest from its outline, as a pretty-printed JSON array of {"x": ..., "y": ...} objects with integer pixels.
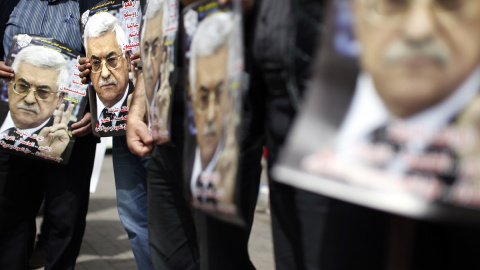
[
  {"x": 197, "y": 165},
  {"x": 101, "y": 106},
  {"x": 8, "y": 123},
  {"x": 368, "y": 112}
]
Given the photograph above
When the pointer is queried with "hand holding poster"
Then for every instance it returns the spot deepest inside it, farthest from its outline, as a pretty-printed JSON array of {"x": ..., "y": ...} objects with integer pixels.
[
  {"x": 159, "y": 30},
  {"x": 401, "y": 134},
  {"x": 215, "y": 64},
  {"x": 110, "y": 33},
  {"x": 42, "y": 100}
]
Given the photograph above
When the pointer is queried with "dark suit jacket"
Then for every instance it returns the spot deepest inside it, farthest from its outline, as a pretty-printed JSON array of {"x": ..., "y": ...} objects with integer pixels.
[{"x": 96, "y": 124}]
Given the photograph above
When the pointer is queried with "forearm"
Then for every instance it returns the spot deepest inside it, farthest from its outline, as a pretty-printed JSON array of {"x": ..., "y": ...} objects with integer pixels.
[{"x": 138, "y": 104}]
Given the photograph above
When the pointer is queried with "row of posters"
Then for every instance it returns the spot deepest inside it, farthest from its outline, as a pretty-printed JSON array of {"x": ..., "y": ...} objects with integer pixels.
[
  {"x": 379, "y": 128},
  {"x": 39, "y": 105}
]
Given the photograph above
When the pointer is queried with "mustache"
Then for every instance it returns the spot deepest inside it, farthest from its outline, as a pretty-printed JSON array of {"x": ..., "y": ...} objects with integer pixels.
[
  {"x": 433, "y": 50},
  {"x": 27, "y": 106},
  {"x": 109, "y": 80},
  {"x": 209, "y": 128}
]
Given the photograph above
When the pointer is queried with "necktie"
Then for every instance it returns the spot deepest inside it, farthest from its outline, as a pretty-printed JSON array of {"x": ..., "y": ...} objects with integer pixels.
[
  {"x": 108, "y": 117},
  {"x": 415, "y": 159},
  {"x": 205, "y": 190},
  {"x": 11, "y": 132}
]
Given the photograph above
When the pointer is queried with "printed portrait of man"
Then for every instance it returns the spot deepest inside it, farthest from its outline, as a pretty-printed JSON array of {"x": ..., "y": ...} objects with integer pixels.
[
  {"x": 33, "y": 96},
  {"x": 209, "y": 96},
  {"x": 105, "y": 40},
  {"x": 156, "y": 68},
  {"x": 419, "y": 71}
]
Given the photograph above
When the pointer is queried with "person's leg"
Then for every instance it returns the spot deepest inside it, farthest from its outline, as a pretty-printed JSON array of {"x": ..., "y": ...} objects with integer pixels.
[
  {"x": 66, "y": 204},
  {"x": 132, "y": 204},
  {"x": 39, "y": 254},
  {"x": 173, "y": 242},
  {"x": 21, "y": 194}
]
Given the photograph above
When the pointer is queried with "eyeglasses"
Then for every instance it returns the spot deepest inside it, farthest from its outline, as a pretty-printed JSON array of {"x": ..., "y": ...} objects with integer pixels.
[
  {"x": 111, "y": 63},
  {"x": 23, "y": 89},
  {"x": 153, "y": 50},
  {"x": 392, "y": 9},
  {"x": 204, "y": 98}
]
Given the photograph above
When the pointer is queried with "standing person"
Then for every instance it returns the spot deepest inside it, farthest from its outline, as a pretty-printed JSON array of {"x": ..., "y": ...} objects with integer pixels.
[
  {"x": 286, "y": 33},
  {"x": 108, "y": 72},
  {"x": 66, "y": 188},
  {"x": 229, "y": 242},
  {"x": 439, "y": 93},
  {"x": 171, "y": 229}
]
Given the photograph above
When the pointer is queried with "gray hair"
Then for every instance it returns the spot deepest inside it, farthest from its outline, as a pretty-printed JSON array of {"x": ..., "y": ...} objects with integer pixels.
[
  {"x": 211, "y": 35},
  {"x": 101, "y": 24},
  {"x": 42, "y": 57},
  {"x": 153, "y": 9}
]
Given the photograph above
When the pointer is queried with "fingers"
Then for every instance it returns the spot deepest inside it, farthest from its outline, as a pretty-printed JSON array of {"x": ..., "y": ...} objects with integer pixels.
[
  {"x": 67, "y": 114},
  {"x": 6, "y": 71},
  {"x": 57, "y": 127},
  {"x": 83, "y": 127},
  {"x": 135, "y": 58},
  {"x": 59, "y": 115},
  {"x": 139, "y": 140},
  {"x": 135, "y": 55},
  {"x": 84, "y": 68},
  {"x": 44, "y": 133},
  {"x": 85, "y": 121},
  {"x": 83, "y": 131}
]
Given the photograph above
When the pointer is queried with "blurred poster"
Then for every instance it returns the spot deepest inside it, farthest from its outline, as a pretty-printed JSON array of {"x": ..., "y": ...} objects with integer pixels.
[
  {"x": 158, "y": 34},
  {"x": 214, "y": 53},
  {"x": 41, "y": 102},
  {"x": 391, "y": 119},
  {"x": 111, "y": 34}
]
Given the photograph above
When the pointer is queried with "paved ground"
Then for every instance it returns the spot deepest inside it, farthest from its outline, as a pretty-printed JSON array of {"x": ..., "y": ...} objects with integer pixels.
[{"x": 105, "y": 245}]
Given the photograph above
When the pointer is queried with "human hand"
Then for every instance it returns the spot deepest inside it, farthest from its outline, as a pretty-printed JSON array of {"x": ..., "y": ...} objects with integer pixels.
[
  {"x": 56, "y": 136},
  {"x": 6, "y": 71},
  {"x": 84, "y": 68},
  {"x": 135, "y": 58},
  {"x": 84, "y": 126},
  {"x": 139, "y": 140}
]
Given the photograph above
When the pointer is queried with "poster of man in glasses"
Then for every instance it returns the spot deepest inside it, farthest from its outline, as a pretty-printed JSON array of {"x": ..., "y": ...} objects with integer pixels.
[
  {"x": 215, "y": 64},
  {"x": 42, "y": 100},
  {"x": 158, "y": 34},
  {"x": 392, "y": 118},
  {"x": 111, "y": 34}
]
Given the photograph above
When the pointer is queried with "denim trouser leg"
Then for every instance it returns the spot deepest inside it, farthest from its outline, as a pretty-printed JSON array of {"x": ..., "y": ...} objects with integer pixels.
[{"x": 132, "y": 204}]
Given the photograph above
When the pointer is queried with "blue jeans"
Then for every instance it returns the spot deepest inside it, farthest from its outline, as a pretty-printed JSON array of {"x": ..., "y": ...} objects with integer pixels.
[{"x": 131, "y": 186}]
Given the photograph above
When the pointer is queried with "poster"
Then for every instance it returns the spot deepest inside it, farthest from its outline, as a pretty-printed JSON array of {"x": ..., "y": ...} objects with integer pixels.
[
  {"x": 111, "y": 34},
  {"x": 158, "y": 34},
  {"x": 214, "y": 53},
  {"x": 41, "y": 102},
  {"x": 391, "y": 118}
]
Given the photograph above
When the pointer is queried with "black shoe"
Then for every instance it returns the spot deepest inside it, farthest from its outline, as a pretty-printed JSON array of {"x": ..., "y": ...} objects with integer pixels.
[{"x": 39, "y": 255}]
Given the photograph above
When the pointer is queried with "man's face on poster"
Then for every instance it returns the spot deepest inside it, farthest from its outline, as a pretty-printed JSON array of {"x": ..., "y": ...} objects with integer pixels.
[
  {"x": 111, "y": 80},
  {"x": 152, "y": 49},
  {"x": 418, "y": 52},
  {"x": 210, "y": 91},
  {"x": 30, "y": 111}
]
